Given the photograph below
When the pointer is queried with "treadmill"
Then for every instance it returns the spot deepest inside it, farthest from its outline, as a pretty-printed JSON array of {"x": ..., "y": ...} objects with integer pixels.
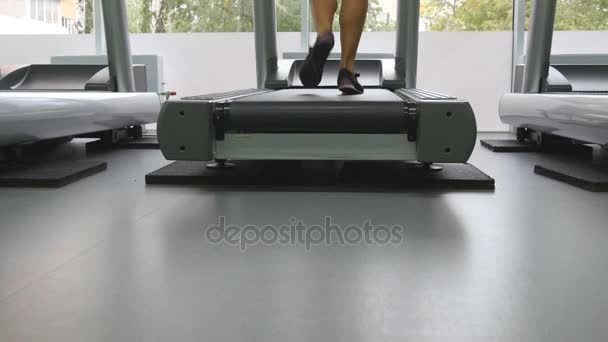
[
  {"x": 282, "y": 120},
  {"x": 45, "y": 102},
  {"x": 563, "y": 95}
]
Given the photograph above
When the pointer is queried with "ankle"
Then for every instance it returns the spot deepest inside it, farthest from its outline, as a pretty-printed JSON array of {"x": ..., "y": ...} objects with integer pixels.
[
  {"x": 325, "y": 37},
  {"x": 349, "y": 68}
]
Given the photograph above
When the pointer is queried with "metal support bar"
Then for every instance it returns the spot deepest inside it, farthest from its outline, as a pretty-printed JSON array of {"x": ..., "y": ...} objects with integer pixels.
[
  {"x": 265, "y": 27},
  {"x": 519, "y": 22},
  {"x": 406, "y": 56},
  {"x": 304, "y": 25},
  {"x": 538, "y": 51},
  {"x": 98, "y": 29},
  {"x": 117, "y": 41}
]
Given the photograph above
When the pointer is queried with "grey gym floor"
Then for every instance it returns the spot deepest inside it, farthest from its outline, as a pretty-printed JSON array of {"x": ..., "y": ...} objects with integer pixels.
[{"x": 111, "y": 259}]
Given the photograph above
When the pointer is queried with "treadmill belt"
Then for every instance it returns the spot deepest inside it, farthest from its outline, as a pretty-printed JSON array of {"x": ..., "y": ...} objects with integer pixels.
[{"x": 318, "y": 110}]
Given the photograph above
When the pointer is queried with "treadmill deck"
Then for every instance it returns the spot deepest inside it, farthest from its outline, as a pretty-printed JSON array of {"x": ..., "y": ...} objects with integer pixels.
[
  {"x": 319, "y": 124},
  {"x": 318, "y": 111}
]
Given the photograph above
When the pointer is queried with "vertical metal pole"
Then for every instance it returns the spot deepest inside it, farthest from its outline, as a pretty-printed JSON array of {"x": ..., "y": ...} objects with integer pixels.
[
  {"x": 98, "y": 29},
  {"x": 519, "y": 27},
  {"x": 265, "y": 27},
  {"x": 117, "y": 41},
  {"x": 538, "y": 51},
  {"x": 406, "y": 56},
  {"x": 305, "y": 25},
  {"x": 519, "y": 22}
]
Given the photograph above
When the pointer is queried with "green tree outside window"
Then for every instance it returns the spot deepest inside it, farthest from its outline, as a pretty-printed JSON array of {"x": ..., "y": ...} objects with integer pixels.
[{"x": 147, "y": 16}]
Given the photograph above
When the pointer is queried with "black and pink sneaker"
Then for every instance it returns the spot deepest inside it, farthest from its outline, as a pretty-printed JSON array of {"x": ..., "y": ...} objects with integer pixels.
[
  {"x": 311, "y": 72},
  {"x": 348, "y": 83}
]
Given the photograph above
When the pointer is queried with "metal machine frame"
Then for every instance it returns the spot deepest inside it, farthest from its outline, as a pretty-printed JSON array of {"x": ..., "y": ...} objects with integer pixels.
[
  {"x": 42, "y": 102},
  {"x": 281, "y": 120},
  {"x": 559, "y": 95}
]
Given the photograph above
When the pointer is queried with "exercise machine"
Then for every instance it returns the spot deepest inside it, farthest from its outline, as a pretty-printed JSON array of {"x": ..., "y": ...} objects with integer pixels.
[
  {"x": 281, "y": 120},
  {"x": 562, "y": 95},
  {"x": 44, "y": 102}
]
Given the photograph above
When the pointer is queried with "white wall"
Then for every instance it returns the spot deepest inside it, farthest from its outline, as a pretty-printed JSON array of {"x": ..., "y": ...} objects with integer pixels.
[
  {"x": 473, "y": 65},
  {"x": 580, "y": 42}
]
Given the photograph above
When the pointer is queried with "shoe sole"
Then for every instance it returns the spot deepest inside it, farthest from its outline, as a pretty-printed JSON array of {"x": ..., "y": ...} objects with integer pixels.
[{"x": 350, "y": 90}]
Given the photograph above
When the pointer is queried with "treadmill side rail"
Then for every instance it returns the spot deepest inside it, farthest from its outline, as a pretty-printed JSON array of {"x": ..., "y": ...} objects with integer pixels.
[{"x": 185, "y": 130}]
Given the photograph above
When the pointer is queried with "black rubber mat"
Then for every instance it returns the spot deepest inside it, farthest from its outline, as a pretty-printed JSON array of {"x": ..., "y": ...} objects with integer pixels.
[
  {"x": 400, "y": 175},
  {"x": 49, "y": 175},
  {"x": 582, "y": 174},
  {"x": 512, "y": 145},
  {"x": 383, "y": 176},
  {"x": 508, "y": 145},
  {"x": 144, "y": 143},
  {"x": 255, "y": 173}
]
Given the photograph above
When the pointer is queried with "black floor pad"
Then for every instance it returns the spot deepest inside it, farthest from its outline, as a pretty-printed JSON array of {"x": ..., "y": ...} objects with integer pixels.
[
  {"x": 49, "y": 175},
  {"x": 580, "y": 173},
  {"x": 512, "y": 145},
  {"x": 382, "y": 176},
  {"x": 508, "y": 145},
  {"x": 402, "y": 175},
  {"x": 280, "y": 173},
  {"x": 144, "y": 143}
]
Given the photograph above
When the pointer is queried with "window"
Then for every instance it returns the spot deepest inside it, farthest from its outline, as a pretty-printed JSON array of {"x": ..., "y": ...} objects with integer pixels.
[
  {"x": 578, "y": 25},
  {"x": 466, "y": 15},
  {"x": 33, "y": 7},
  {"x": 581, "y": 15},
  {"x": 48, "y": 11},
  {"x": 496, "y": 15},
  {"x": 45, "y": 16},
  {"x": 289, "y": 15},
  {"x": 55, "y": 14},
  {"x": 39, "y": 10},
  {"x": 574, "y": 22},
  {"x": 160, "y": 16},
  {"x": 12, "y": 8},
  {"x": 381, "y": 16},
  {"x": 233, "y": 15}
]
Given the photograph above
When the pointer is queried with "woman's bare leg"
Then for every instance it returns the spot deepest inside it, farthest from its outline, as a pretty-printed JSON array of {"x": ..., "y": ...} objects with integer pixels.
[
  {"x": 323, "y": 12},
  {"x": 352, "y": 20}
]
